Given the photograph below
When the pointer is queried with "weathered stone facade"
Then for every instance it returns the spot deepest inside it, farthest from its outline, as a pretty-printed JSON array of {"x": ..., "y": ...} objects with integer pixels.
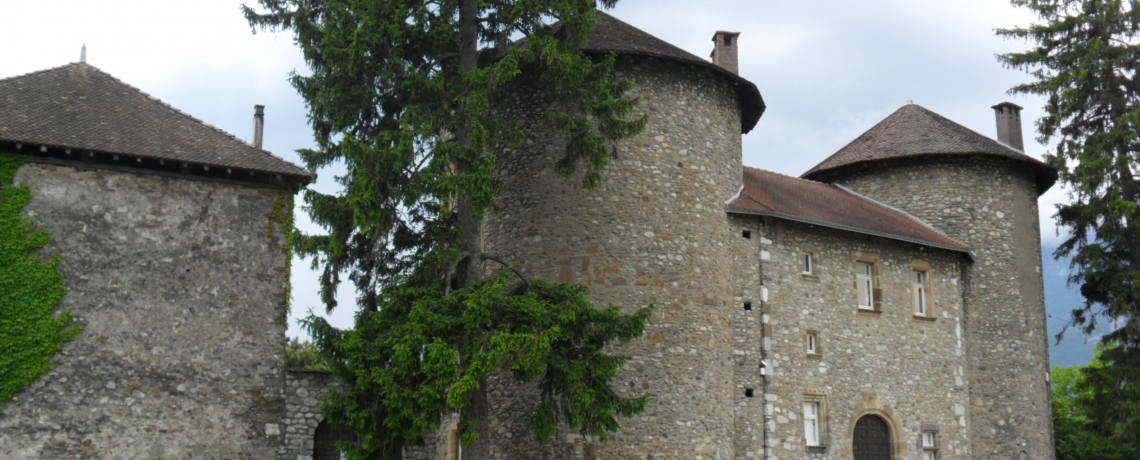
[
  {"x": 908, "y": 369},
  {"x": 182, "y": 298},
  {"x": 655, "y": 231},
  {"x": 990, "y": 204}
]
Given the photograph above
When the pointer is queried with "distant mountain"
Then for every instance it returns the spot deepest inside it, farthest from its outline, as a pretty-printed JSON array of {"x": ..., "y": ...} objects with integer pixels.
[{"x": 1060, "y": 299}]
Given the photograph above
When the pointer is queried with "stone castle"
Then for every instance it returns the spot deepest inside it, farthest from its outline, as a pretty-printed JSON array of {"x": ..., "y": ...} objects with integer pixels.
[{"x": 887, "y": 304}]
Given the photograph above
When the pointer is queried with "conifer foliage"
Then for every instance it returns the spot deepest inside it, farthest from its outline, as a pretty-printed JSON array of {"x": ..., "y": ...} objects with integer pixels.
[
  {"x": 408, "y": 96},
  {"x": 1084, "y": 61}
]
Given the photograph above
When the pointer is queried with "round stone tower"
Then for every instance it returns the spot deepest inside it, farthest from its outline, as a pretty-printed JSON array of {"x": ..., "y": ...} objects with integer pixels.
[
  {"x": 983, "y": 193},
  {"x": 655, "y": 231}
]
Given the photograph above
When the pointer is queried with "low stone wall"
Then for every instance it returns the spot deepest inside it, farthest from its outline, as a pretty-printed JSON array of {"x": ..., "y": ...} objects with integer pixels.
[{"x": 304, "y": 391}]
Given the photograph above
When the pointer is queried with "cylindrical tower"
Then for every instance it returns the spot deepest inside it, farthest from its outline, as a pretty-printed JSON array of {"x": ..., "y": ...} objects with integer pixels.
[
  {"x": 982, "y": 193},
  {"x": 655, "y": 231}
]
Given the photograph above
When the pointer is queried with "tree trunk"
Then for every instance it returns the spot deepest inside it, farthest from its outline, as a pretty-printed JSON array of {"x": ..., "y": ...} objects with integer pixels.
[{"x": 470, "y": 267}]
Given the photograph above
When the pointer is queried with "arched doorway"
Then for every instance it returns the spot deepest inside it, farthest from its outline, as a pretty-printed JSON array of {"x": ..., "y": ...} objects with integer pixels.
[
  {"x": 325, "y": 439},
  {"x": 871, "y": 439}
]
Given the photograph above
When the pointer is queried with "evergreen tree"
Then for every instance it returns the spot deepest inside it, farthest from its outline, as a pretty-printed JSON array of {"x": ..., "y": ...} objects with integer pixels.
[
  {"x": 407, "y": 94},
  {"x": 1084, "y": 61}
]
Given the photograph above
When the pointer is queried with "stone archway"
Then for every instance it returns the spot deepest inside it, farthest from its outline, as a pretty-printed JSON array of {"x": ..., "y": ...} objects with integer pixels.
[{"x": 874, "y": 406}]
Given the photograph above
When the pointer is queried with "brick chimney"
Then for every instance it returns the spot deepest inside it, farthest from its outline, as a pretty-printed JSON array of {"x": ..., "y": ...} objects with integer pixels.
[
  {"x": 1009, "y": 124},
  {"x": 724, "y": 50},
  {"x": 258, "y": 124}
]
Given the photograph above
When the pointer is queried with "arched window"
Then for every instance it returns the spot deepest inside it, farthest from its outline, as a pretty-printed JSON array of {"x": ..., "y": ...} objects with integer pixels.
[{"x": 325, "y": 439}]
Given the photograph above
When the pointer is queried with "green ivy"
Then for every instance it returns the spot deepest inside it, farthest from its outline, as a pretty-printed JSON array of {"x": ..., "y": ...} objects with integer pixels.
[
  {"x": 29, "y": 290},
  {"x": 282, "y": 215}
]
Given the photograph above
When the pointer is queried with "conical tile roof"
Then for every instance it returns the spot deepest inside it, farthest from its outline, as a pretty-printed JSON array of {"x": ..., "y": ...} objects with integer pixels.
[
  {"x": 613, "y": 35},
  {"x": 78, "y": 106},
  {"x": 913, "y": 131}
]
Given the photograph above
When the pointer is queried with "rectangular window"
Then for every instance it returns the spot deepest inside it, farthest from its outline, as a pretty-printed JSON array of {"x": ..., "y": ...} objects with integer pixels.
[
  {"x": 920, "y": 278},
  {"x": 806, "y": 263},
  {"x": 929, "y": 446},
  {"x": 813, "y": 343},
  {"x": 865, "y": 285},
  {"x": 811, "y": 423}
]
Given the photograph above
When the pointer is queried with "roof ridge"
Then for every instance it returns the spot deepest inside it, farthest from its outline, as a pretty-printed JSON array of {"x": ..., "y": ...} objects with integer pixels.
[
  {"x": 187, "y": 115},
  {"x": 900, "y": 212},
  {"x": 14, "y": 77},
  {"x": 967, "y": 128}
]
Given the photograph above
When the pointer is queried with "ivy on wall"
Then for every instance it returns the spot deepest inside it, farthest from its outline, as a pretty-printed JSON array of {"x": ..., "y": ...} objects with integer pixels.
[
  {"x": 282, "y": 216},
  {"x": 29, "y": 290}
]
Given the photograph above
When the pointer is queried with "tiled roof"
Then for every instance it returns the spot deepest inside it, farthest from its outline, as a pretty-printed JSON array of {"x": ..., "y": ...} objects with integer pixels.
[
  {"x": 913, "y": 131},
  {"x": 771, "y": 194},
  {"x": 81, "y": 107},
  {"x": 613, "y": 35}
]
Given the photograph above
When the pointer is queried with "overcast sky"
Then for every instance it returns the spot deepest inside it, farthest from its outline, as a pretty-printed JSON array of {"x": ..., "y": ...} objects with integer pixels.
[{"x": 828, "y": 71}]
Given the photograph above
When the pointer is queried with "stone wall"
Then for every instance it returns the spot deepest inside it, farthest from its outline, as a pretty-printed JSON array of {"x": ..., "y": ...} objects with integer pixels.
[
  {"x": 655, "y": 231},
  {"x": 182, "y": 299},
  {"x": 304, "y": 391},
  {"x": 908, "y": 370},
  {"x": 991, "y": 205}
]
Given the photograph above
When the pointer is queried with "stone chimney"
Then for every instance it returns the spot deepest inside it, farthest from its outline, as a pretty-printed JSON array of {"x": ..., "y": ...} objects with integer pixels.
[
  {"x": 1009, "y": 124},
  {"x": 724, "y": 50},
  {"x": 258, "y": 124}
]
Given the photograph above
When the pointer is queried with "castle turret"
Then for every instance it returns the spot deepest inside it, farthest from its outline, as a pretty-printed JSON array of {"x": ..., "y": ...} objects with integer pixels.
[
  {"x": 653, "y": 232},
  {"x": 983, "y": 193}
]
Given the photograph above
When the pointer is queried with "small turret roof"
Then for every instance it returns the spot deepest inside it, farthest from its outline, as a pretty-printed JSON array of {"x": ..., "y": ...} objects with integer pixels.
[
  {"x": 78, "y": 106},
  {"x": 913, "y": 131},
  {"x": 613, "y": 35}
]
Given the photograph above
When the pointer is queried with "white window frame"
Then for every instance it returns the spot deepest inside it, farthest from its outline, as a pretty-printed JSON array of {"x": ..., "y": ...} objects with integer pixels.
[
  {"x": 921, "y": 292},
  {"x": 811, "y": 423},
  {"x": 929, "y": 442},
  {"x": 813, "y": 343},
  {"x": 807, "y": 263},
  {"x": 868, "y": 282}
]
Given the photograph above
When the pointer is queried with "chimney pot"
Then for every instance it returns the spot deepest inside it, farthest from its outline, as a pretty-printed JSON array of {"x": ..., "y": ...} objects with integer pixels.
[
  {"x": 1008, "y": 117},
  {"x": 724, "y": 50},
  {"x": 258, "y": 124}
]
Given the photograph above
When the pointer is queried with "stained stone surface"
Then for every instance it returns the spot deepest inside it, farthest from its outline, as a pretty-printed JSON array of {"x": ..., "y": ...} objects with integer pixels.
[
  {"x": 182, "y": 299},
  {"x": 991, "y": 205},
  {"x": 890, "y": 362},
  {"x": 655, "y": 231}
]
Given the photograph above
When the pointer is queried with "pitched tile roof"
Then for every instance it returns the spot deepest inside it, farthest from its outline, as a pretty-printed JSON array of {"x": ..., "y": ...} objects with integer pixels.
[
  {"x": 767, "y": 193},
  {"x": 81, "y": 107},
  {"x": 613, "y": 35},
  {"x": 913, "y": 131}
]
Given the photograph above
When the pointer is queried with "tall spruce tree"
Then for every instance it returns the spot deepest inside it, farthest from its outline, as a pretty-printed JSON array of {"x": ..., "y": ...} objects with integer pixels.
[
  {"x": 407, "y": 94},
  {"x": 1084, "y": 61}
]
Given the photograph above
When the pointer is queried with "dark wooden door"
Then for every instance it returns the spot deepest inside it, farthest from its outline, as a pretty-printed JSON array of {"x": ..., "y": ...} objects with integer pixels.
[{"x": 872, "y": 439}]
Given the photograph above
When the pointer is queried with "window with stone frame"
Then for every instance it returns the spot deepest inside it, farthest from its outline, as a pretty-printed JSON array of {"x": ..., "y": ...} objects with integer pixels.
[
  {"x": 807, "y": 263},
  {"x": 929, "y": 444},
  {"x": 811, "y": 423},
  {"x": 921, "y": 284},
  {"x": 813, "y": 344},
  {"x": 868, "y": 296},
  {"x": 815, "y": 422}
]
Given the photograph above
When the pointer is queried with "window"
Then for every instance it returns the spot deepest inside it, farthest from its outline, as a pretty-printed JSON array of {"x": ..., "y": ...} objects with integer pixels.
[
  {"x": 920, "y": 280},
  {"x": 865, "y": 285},
  {"x": 813, "y": 347},
  {"x": 811, "y": 423},
  {"x": 929, "y": 445},
  {"x": 806, "y": 266}
]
